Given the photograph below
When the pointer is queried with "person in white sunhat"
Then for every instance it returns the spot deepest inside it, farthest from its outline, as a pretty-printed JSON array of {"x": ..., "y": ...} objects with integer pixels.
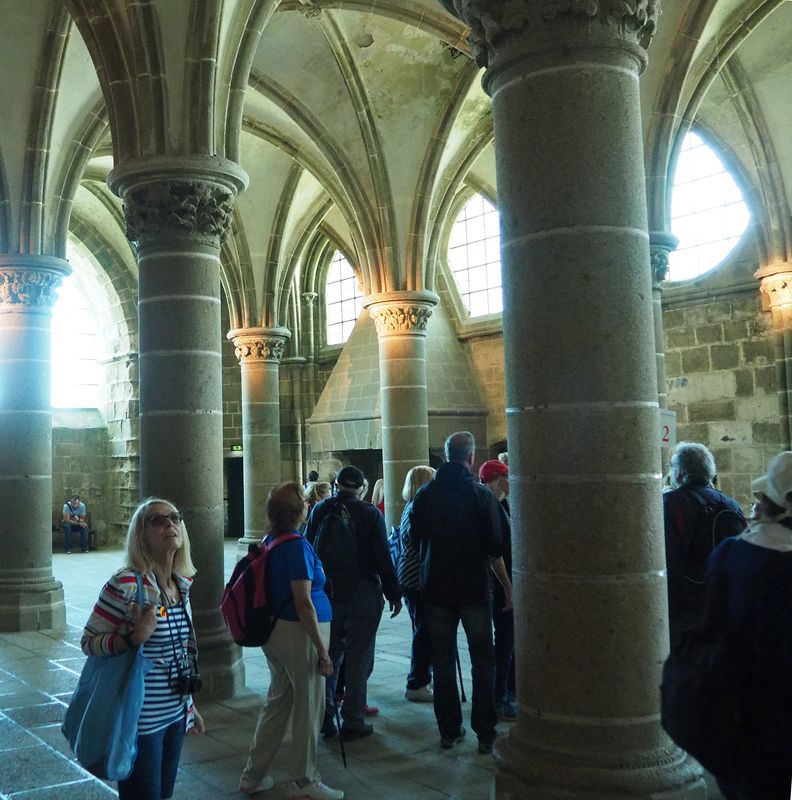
[{"x": 756, "y": 571}]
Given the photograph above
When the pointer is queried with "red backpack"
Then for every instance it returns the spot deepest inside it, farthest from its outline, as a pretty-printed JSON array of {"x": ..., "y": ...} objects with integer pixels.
[{"x": 244, "y": 605}]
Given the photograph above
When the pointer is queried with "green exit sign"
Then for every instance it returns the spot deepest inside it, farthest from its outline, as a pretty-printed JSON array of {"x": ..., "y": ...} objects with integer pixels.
[{"x": 237, "y": 448}]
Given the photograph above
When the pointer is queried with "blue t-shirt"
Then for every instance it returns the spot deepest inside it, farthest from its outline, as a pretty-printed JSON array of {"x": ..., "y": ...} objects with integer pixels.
[{"x": 295, "y": 560}]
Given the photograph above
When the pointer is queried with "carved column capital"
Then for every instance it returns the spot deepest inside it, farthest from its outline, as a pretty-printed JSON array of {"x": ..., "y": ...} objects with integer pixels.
[
  {"x": 661, "y": 244},
  {"x": 492, "y": 21},
  {"x": 29, "y": 282},
  {"x": 188, "y": 198},
  {"x": 775, "y": 285},
  {"x": 309, "y": 297},
  {"x": 259, "y": 344},
  {"x": 401, "y": 313}
]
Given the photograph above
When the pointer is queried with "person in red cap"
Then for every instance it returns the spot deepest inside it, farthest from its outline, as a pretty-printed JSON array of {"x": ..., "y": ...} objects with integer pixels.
[{"x": 494, "y": 474}]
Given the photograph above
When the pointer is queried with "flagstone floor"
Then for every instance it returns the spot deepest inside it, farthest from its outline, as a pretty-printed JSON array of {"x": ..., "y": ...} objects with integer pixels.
[{"x": 38, "y": 672}]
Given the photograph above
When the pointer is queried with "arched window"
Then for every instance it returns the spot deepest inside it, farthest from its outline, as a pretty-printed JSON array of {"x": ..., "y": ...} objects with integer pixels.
[
  {"x": 343, "y": 299},
  {"x": 75, "y": 371},
  {"x": 474, "y": 257},
  {"x": 708, "y": 212}
]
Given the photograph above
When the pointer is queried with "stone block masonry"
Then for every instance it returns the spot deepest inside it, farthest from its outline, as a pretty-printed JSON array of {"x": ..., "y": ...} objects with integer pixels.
[{"x": 722, "y": 384}]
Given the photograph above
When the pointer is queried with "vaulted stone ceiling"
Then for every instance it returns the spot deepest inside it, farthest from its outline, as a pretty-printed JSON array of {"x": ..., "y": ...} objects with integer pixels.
[{"x": 362, "y": 119}]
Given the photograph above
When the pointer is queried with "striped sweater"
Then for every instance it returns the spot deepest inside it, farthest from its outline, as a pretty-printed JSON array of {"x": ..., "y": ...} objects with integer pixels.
[{"x": 113, "y": 617}]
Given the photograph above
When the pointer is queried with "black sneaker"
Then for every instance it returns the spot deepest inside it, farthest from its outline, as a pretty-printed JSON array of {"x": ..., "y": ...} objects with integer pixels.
[
  {"x": 351, "y": 734},
  {"x": 447, "y": 742},
  {"x": 485, "y": 746}
]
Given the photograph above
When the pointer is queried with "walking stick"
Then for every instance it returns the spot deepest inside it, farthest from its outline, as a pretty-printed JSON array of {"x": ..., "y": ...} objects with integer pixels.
[
  {"x": 340, "y": 735},
  {"x": 459, "y": 672}
]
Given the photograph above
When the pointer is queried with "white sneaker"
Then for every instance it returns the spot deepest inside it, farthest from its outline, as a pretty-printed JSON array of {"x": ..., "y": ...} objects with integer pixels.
[
  {"x": 265, "y": 783},
  {"x": 422, "y": 695},
  {"x": 315, "y": 791}
]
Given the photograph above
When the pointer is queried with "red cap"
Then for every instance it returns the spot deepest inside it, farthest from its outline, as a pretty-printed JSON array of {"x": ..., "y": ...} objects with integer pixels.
[{"x": 490, "y": 470}]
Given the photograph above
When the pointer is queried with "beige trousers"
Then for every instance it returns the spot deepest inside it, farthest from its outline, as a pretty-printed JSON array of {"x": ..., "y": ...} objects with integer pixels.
[{"x": 296, "y": 693}]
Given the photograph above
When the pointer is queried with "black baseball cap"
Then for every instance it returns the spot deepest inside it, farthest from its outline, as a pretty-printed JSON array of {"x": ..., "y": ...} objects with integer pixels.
[{"x": 350, "y": 478}]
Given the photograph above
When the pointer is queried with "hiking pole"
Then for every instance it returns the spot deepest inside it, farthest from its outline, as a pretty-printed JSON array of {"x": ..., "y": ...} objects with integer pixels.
[
  {"x": 459, "y": 672},
  {"x": 340, "y": 734}
]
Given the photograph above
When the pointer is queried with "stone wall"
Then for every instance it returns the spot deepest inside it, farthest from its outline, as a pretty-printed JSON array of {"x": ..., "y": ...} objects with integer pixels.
[
  {"x": 120, "y": 402},
  {"x": 232, "y": 392},
  {"x": 80, "y": 466},
  {"x": 722, "y": 383},
  {"x": 487, "y": 355}
]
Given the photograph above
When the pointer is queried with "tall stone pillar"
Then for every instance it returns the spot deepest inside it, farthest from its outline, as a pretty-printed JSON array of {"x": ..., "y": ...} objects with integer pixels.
[
  {"x": 401, "y": 319},
  {"x": 661, "y": 243},
  {"x": 177, "y": 210},
  {"x": 776, "y": 288},
  {"x": 259, "y": 351},
  {"x": 581, "y": 401},
  {"x": 30, "y": 597},
  {"x": 309, "y": 393}
]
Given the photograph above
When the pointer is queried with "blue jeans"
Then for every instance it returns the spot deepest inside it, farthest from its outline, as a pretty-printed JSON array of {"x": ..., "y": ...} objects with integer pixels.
[
  {"x": 421, "y": 654},
  {"x": 68, "y": 530},
  {"x": 477, "y": 622},
  {"x": 154, "y": 774},
  {"x": 353, "y": 634}
]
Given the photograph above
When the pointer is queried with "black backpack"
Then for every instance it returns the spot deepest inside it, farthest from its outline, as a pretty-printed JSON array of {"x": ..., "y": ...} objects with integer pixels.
[
  {"x": 705, "y": 522},
  {"x": 336, "y": 545}
]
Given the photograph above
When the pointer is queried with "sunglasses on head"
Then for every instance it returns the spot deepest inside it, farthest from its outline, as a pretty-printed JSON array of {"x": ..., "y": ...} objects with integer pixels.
[{"x": 158, "y": 520}]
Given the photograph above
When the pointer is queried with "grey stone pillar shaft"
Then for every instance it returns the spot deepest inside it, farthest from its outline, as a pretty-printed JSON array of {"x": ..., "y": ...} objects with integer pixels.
[
  {"x": 401, "y": 319},
  {"x": 776, "y": 289},
  {"x": 661, "y": 243},
  {"x": 581, "y": 402},
  {"x": 259, "y": 351},
  {"x": 309, "y": 393},
  {"x": 176, "y": 211},
  {"x": 30, "y": 597}
]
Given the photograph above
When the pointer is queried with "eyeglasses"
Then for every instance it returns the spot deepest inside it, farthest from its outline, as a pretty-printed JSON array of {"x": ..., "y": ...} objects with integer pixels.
[{"x": 158, "y": 520}]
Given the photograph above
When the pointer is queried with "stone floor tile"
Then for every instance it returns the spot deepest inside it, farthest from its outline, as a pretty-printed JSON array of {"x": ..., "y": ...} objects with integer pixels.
[
  {"x": 34, "y": 768},
  {"x": 84, "y": 790},
  {"x": 13, "y": 736},
  {"x": 34, "y": 716}
]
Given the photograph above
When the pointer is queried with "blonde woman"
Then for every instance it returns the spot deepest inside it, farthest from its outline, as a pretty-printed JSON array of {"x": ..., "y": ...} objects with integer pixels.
[
  {"x": 418, "y": 689},
  {"x": 158, "y": 549}
]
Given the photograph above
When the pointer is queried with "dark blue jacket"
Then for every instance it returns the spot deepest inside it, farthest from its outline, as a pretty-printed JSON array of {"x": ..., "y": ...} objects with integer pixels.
[{"x": 457, "y": 527}]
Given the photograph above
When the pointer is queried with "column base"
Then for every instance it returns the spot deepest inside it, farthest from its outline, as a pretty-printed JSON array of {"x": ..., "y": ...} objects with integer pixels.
[
  {"x": 528, "y": 773},
  {"x": 220, "y": 663},
  {"x": 243, "y": 543},
  {"x": 32, "y": 607}
]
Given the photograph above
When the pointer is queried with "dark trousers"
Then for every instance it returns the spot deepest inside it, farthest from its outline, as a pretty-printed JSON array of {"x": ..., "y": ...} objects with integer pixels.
[
  {"x": 477, "y": 622},
  {"x": 154, "y": 774},
  {"x": 421, "y": 654},
  {"x": 353, "y": 635},
  {"x": 503, "y": 621},
  {"x": 68, "y": 530}
]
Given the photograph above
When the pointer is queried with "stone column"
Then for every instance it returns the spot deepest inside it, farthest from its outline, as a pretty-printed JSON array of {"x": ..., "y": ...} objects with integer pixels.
[
  {"x": 661, "y": 243},
  {"x": 309, "y": 393},
  {"x": 177, "y": 211},
  {"x": 30, "y": 597},
  {"x": 581, "y": 402},
  {"x": 776, "y": 288},
  {"x": 401, "y": 319},
  {"x": 259, "y": 351}
]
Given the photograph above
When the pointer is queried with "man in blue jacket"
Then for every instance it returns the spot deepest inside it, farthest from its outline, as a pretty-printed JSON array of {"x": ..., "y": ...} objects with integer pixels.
[{"x": 456, "y": 526}]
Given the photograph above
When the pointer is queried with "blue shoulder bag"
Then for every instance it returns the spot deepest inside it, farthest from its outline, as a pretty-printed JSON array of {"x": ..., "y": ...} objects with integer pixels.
[{"x": 102, "y": 718}]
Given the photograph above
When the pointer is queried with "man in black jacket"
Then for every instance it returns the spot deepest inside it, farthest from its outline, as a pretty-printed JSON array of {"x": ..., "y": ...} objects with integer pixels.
[
  {"x": 697, "y": 519},
  {"x": 367, "y": 574},
  {"x": 456, "y": 526}
]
